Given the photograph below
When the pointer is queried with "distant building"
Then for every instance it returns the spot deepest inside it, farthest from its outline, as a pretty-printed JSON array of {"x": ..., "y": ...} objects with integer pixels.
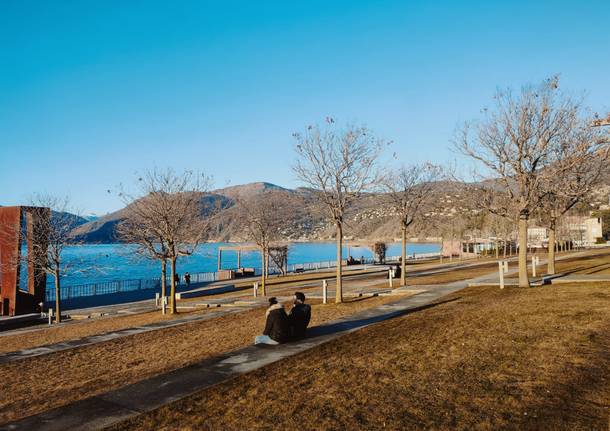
[
  {"x": 473, "y": 247},
  {"x": 583, "y": 230},
  {"x": 537, "y": 237}
]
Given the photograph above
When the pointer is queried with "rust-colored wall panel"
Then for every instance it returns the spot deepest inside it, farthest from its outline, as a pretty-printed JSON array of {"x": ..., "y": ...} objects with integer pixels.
[{"x": 12, "y": 300}]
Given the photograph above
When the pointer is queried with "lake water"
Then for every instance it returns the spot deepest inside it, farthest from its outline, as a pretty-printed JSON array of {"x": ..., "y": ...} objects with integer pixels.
[{"x": 105, "y": 262}]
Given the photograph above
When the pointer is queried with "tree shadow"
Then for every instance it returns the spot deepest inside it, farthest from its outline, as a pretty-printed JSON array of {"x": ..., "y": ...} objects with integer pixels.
[{"x": 344, "y": 325}]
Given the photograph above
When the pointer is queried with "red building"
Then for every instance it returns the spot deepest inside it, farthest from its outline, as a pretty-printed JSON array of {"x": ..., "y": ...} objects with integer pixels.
[{"x": 22, "y": 253}]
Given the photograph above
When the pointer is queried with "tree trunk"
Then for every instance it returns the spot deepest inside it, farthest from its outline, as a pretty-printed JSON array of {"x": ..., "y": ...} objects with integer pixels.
[
  {"x": 172, "y": 283},
  {"x": 461, "y": 246},
  {"x": 263, "y": 272},
  {"x": 497, "y": 249},
  {"x": 441, "y": 253},
  {"x": 523, "y": 278},
  {"x": 163, "y": 279},
  {"x": 339, "y": 287},
  {"x": 403, "y": 264},
  {"x": 504, "y": 251},
  {"x": 550, "y": 265},
  {"x": 57, "y": 297}
]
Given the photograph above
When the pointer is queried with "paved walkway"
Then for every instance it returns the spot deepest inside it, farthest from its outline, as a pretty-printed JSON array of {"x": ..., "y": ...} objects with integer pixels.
[
  {"x": 149, "y": 304},
  {"x": 354, "y": 286}
]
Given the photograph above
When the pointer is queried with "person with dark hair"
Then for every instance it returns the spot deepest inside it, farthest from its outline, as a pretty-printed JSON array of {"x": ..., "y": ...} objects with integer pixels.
[
  {"x": 187, "y": 279},
  {"x": 277, "y": 326},
  {"x": 397, "y": 271},
  {"x": 300, "y": 315}
]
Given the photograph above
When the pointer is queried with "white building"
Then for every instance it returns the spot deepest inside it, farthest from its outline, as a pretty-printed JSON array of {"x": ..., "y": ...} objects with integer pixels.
[
  {"x": 583, "y": 231},
  {"x": 537, "y": 236}
]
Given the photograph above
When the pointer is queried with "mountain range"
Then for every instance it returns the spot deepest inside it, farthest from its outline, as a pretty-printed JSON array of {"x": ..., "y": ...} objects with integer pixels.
[{"x": 369, "y": 218}]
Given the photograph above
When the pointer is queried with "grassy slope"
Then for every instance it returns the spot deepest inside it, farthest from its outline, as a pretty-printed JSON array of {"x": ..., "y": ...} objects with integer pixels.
[
  {"x": 56, "y": 379},
  {"x": 483, "y": 359}
]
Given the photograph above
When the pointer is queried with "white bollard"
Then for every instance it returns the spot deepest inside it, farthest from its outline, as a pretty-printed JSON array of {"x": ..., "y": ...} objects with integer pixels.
[
  {"x": 157, "y": 298},
  {"x": 324, "y": 292},
  {"x": 255, "y": 289},
  {"x": 50, "y": 316},
  {"x": 390, "y": 276},
  {"x": 534, "y": 259},
  {"x": 501, "y": 271}
]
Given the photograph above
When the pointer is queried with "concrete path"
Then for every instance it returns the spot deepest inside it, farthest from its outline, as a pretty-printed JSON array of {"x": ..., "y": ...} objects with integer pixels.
[
  {"x": 354, "y": 286},
  {"x": 103, "y": 410},
  {"x": 94, "y": 339},
  {"x": 149, "y": 304}
]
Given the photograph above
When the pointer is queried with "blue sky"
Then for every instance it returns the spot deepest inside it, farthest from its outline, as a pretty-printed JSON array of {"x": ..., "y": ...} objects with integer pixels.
[{"x": 92, "y": 92}]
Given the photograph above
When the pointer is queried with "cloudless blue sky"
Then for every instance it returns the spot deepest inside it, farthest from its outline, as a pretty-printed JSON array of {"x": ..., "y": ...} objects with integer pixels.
[{"x": 91, "y": 92}]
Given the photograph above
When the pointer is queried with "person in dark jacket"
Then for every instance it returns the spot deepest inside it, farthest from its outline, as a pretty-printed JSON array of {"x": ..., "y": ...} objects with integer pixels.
[
  {"x": 397, "y": 271},
  {"x": 300, "y": 315},
  {"x": 277, "y": 326}
]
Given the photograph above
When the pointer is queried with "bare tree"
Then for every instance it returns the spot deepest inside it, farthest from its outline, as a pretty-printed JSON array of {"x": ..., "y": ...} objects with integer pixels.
[
  {"x": 138, "y": 229},
  {"x": 264, "y": 216},
  {"x": 579, "y": 162},
  {"x": 514, "y": 143},
  {"x": 411, "y": 192},
  {"x": 167, "y": 218},
  {"x": 339, "y": 164},
  {"x": 52, "y": 234}
]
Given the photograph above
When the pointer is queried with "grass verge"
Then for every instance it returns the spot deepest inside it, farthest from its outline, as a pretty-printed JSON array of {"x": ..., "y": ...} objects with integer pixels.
[
  {"x": 33, "y": 385},
  {"x": 483, "y": 358}
]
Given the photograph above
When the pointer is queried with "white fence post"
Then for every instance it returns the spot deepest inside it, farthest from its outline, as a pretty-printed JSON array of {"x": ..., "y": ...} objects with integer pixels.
[
  {"x": 157, "y": 297},
  {"x": 501, "y": 271},
  {"x": 534, "y": 262},
  {"x": 324, "y": 291},
  {"x": 255, "y": 288},
  {"x": 50, "y": 316},
  {"x": 390, "y": 274}
]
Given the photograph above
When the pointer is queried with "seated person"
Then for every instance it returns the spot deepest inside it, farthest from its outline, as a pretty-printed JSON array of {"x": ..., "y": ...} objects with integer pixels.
[
  {"x": 300, "y": 315},
  {"x": 397, "y": 271},
  {"x": 277, "y": 326}
]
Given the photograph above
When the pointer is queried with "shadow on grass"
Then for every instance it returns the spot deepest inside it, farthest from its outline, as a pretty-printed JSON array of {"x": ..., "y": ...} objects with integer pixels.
[
  {"x": 345, "y": 325},
  {"x": 587, "y": 268}
]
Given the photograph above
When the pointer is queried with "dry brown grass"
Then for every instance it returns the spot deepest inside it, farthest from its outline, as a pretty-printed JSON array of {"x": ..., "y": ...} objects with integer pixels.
[
  {"x": 56, "y": 379},
  {"x": 45, "y": 335},
  {"x": 596, "y": 263},
  {"x": 78, "y": 329},
  {"x": 484, "y": 358}
]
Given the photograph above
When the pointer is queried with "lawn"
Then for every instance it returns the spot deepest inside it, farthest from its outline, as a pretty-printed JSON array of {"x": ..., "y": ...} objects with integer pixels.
[
  {"x": 482, "y": 358},
  {"x": 71, "y": 330},
  {"x": 55, "y": 379}
]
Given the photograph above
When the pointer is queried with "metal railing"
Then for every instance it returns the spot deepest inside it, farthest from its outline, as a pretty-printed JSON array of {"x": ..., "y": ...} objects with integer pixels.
[{"x": 118, "y": 286}]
